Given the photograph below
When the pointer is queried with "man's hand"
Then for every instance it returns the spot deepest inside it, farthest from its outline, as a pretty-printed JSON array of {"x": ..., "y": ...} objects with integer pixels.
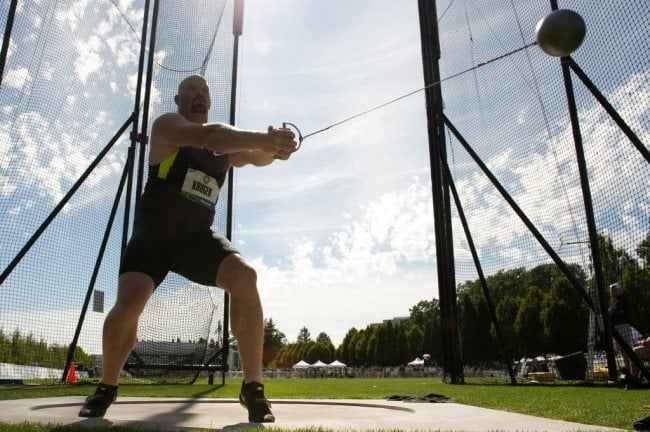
[
  {"x": 281, "y": 143},
  {"x": 282, "y": 156}
]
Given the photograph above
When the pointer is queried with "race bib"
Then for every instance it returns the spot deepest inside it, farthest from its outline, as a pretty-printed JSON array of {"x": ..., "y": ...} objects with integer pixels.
[{"x": 200, "y": 187}]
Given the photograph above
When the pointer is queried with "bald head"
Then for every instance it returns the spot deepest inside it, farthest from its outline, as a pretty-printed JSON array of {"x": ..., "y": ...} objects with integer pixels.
[
  {"x": 190, "y": 80},
  {"x": 193, "y": 98}
]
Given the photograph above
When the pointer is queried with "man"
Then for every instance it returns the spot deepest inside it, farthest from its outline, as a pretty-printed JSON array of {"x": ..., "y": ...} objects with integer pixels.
[
  {"x": 620, "y": 314},
  {"x": 188, "y": 162}
]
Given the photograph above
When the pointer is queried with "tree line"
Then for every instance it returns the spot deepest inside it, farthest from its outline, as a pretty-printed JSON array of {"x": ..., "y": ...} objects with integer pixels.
[
  {"x": 25, "y": 350},
  {"x": 538, "y": 312}
]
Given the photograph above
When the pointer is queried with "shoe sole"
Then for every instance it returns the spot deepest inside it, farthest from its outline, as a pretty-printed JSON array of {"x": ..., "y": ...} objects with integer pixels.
[
  {"x": 88, "y": 413},
  {"x": 243, "y": 405}
]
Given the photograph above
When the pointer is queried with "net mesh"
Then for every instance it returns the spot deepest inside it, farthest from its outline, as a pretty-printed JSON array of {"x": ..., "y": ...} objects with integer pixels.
[
  {"x": 183, "y": 323},
  {"x": 68, "y": 87},
  {"x": 513, "y": 113}
]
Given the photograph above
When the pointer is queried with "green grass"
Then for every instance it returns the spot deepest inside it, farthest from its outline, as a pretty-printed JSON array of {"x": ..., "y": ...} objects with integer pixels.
[{"x": 596, "y": 405}]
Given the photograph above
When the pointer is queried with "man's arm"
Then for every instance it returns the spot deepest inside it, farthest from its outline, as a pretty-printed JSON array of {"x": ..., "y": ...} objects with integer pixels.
[
  {"x": 255, "y": 157},
  {"x": 175, "y": 131},
  {"x": 251, "y": 157}
]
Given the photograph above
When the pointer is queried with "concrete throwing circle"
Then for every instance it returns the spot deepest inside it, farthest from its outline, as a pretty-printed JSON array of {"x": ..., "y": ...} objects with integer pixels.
[
  {"x": 221, "y": 413},
  {"x": 226, "y": 415}
]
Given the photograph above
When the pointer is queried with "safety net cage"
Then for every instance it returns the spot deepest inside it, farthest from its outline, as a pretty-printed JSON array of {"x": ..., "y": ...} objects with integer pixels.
[
  {"x": 74, "y": 85},
  {"x": 506, "y": 107}
]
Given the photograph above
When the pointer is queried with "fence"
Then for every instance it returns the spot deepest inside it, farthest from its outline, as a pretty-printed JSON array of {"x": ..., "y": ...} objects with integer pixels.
[{"x": 74, "y": 82}]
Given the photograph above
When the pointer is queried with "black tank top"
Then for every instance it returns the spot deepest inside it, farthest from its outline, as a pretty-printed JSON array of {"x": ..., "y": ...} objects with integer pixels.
[{"x": 185, "y": 185}]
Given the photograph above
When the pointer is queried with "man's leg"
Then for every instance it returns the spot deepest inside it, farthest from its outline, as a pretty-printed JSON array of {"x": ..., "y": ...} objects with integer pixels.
[
  {"x": 237, "y": 277},
  {"x": 119, "y": 337},
  {"x": 121, "y": 324}
]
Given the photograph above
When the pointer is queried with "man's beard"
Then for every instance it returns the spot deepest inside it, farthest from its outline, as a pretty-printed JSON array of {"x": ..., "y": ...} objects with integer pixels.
[{"x": 199, "y": 107}]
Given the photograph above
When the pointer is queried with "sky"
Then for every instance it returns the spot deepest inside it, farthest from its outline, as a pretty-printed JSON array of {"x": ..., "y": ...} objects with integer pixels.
[{"x": 341, "y": 234}]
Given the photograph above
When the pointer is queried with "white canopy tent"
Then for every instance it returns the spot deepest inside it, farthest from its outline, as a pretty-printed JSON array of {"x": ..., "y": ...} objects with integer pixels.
[
  {"x": 416, "y": 362},
  {"x": 319, "y": 364},
  {"x": 301, "y": 365},
  {"x": 337, "y": 364}
]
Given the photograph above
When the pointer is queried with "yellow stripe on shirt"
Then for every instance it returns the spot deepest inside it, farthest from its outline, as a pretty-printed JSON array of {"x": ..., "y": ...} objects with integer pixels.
[{"x": 166, "y": 165}]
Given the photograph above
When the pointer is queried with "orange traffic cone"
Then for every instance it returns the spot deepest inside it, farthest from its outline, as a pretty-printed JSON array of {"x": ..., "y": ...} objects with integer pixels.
[{"x": 72, "y": 374}]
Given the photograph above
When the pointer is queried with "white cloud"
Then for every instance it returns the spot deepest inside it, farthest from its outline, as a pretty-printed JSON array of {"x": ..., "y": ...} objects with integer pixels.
[
  {"x": 132, "y": 84},
  {"x": 354, "y": 226},
  {"x": 388, "y": 242},
  {"x": 365, "y": 262},
  {"x": 74, "y": 14},
  {"x": 17, "y": 78},
  {"x": 89, "y": 59}
]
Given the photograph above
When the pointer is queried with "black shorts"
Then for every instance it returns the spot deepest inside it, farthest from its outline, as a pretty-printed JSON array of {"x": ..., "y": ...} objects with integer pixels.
[{"x": 157, "y": 248}]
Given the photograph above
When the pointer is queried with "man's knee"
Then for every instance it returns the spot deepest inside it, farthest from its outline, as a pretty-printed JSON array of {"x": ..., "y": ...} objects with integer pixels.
[
  {"x": 235, "y": 274},
  {"x": 133, "y": 292}
]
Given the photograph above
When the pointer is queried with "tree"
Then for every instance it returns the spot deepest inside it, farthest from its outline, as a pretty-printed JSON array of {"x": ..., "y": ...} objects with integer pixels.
[
  {"x": 643, "y": 250},
  {"x": 528, "y": 324},
  {"x": 415, "y": 340},
  {"x": 360, "y": 342},
  {"x": 614, "y": 260},
  {"x": 346, "y": 350},
  {"x": 426, "y": 314},
  {"x": 274, "y": 340},
  {"x": 477, "y": 341},
  {"x": 565, "y": 317},
  {"x": 324, "y": 338},
  {"x": 390, "y": 354},
  {"x": 319, "y": 351},
  {"x": 468, "y": 329},
  {"x": 377, "y": 349},
  {"x": 303, "y": 335},
  {"x": 219, "y": 334},
  {"x": 5, "y": 347},
  {"x": 25, "y": 350},
  {"x": 636, "y": 283},
  {"x": 403, "y": 354},
  {"x": 505, "y": 283},
  {"x": 506, "y": 312},
  {"x": 287, "y": 356}
]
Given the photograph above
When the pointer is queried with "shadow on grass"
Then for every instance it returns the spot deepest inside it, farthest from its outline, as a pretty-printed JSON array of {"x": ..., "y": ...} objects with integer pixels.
[{"x": 538, "y": 384}]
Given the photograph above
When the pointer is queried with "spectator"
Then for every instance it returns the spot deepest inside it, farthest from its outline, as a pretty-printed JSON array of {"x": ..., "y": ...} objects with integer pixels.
[{"x": 620, "y": 314}]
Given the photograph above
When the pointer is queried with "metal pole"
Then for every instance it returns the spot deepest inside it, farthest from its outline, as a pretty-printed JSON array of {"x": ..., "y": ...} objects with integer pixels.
[
  {"x": 130, "y": 161},
  {"x": 591, "y": 220},
  {"x": 147, "y": 97},
  {"x": 7, "y": 37},
  {"x": 479, "y": 269},
  {"x": 93, "y": 279},
  {"x": 127, "y": 177},
  {"x": 440, "y": 190},
  {"x": 589, "y": 212},
  {"x": 540, "y": 238},
  {"x": 627, "y": 130},
  {"x": 237, "y": 30},
  {"x": 531, "y": 227}
]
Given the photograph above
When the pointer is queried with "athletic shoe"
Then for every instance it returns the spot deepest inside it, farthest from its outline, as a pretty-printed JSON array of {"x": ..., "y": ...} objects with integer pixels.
[
  {"x": 97, "y": 404},
  {"x": 252, "y": 398},
  {"x": 642, "y": 424}
]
